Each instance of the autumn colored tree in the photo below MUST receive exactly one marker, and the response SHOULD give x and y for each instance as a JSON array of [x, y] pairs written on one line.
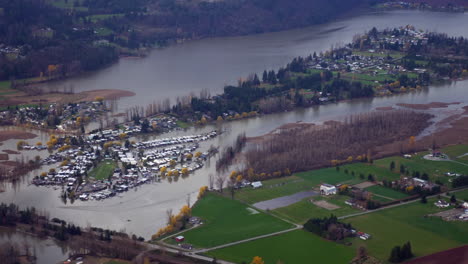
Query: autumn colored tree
[[257, 260]]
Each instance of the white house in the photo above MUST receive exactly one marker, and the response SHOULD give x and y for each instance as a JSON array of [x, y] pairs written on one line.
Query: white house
[[257, 184], [327, 189]]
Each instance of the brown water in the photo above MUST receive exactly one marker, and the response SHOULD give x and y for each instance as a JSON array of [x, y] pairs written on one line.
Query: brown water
[[47, 251], [210, 63]]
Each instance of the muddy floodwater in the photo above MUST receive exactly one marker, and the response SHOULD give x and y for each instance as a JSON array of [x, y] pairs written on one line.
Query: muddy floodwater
[[211, 63]]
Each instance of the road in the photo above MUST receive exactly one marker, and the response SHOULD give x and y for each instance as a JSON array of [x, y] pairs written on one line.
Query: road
[[195, 253]]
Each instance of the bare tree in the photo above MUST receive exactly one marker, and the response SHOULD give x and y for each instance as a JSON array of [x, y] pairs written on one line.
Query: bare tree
[[169, 215], [220, 179], [211, 181]]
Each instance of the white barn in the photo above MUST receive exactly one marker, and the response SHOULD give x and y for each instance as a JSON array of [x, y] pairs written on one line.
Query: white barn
[[327, 189]]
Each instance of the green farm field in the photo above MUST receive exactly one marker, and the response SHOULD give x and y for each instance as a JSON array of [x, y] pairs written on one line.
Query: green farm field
[[290, 248], [386, 192], [398, 225], [435, 169], [227, 221], [302, 211]]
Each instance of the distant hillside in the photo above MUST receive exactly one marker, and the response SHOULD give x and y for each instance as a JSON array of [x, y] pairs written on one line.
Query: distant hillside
[[436, 3], [237, 17], [59, 38]]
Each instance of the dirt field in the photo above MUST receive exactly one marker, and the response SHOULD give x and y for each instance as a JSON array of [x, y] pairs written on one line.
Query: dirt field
[[22, 98], [384, 108], [326, 205], [363, 185], [15, 134], [8, 151], [427, 106], [452, 256], [3, 156]]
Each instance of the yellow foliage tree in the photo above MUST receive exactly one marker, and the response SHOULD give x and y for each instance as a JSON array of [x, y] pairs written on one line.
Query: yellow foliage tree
[[189, 156], [202, 191], [203, 120], [39, 144], [239, 178], [122, 136], [163, 170], [233, 175], [220, 119], [185, 211], [172, 163], [198, 154], [43, 174], [257, 260], [99, 99], [409, 189]]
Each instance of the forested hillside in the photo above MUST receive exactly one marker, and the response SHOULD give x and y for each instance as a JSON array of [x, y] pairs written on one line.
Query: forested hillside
[[59, 38]]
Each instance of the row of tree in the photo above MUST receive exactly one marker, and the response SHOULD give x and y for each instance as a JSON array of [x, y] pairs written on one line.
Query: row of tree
[[315, 146]]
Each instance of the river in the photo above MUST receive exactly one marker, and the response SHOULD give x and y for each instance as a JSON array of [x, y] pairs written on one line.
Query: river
[[47, 251], [211, 63]]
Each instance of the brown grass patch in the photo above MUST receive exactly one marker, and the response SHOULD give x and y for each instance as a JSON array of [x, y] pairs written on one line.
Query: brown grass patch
[[15, 134]]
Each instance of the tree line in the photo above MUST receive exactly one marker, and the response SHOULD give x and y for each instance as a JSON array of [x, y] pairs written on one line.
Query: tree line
[[317, 146]]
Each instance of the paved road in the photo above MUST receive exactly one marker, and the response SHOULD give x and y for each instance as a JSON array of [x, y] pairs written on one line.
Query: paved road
[[284, 201], [194, 253]]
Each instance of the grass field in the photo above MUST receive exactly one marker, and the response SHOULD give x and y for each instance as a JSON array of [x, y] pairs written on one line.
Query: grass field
[[328, 175], [456, 151], [302, 211], [462, 195], [290, 248], [386, 192], [435, 169], [103, 170], [273, 189], [227, 220], [398, 225], [379, 173]]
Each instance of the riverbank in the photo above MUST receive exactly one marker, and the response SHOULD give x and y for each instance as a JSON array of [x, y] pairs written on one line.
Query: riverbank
[[21, 98]]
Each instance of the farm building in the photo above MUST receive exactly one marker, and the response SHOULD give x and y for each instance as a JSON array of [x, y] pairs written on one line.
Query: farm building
[[327, 189], [179, 238]]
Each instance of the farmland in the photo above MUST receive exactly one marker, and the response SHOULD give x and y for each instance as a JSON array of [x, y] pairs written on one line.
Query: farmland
[[222, 215], [273, 189], [408, 223], [435, 169], [386, 192], [304, 210], [290, 248]]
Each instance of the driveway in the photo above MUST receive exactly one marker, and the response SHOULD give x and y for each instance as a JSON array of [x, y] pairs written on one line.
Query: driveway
[[284, 201]]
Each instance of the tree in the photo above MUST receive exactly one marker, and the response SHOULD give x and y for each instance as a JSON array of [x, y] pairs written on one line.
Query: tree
[[395, 255], [257, 260], [412, 143], [406, 252], [392, 165], [453, 199], [423, 199], [145, 126]]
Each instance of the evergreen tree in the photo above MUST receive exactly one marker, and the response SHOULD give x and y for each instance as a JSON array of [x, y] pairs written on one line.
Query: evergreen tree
[[453, 199], [423, 199], [395, 255], [265, 76]]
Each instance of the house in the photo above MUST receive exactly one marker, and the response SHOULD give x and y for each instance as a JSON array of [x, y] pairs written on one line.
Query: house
[[256, 185], [327, 189], [179, 238]]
